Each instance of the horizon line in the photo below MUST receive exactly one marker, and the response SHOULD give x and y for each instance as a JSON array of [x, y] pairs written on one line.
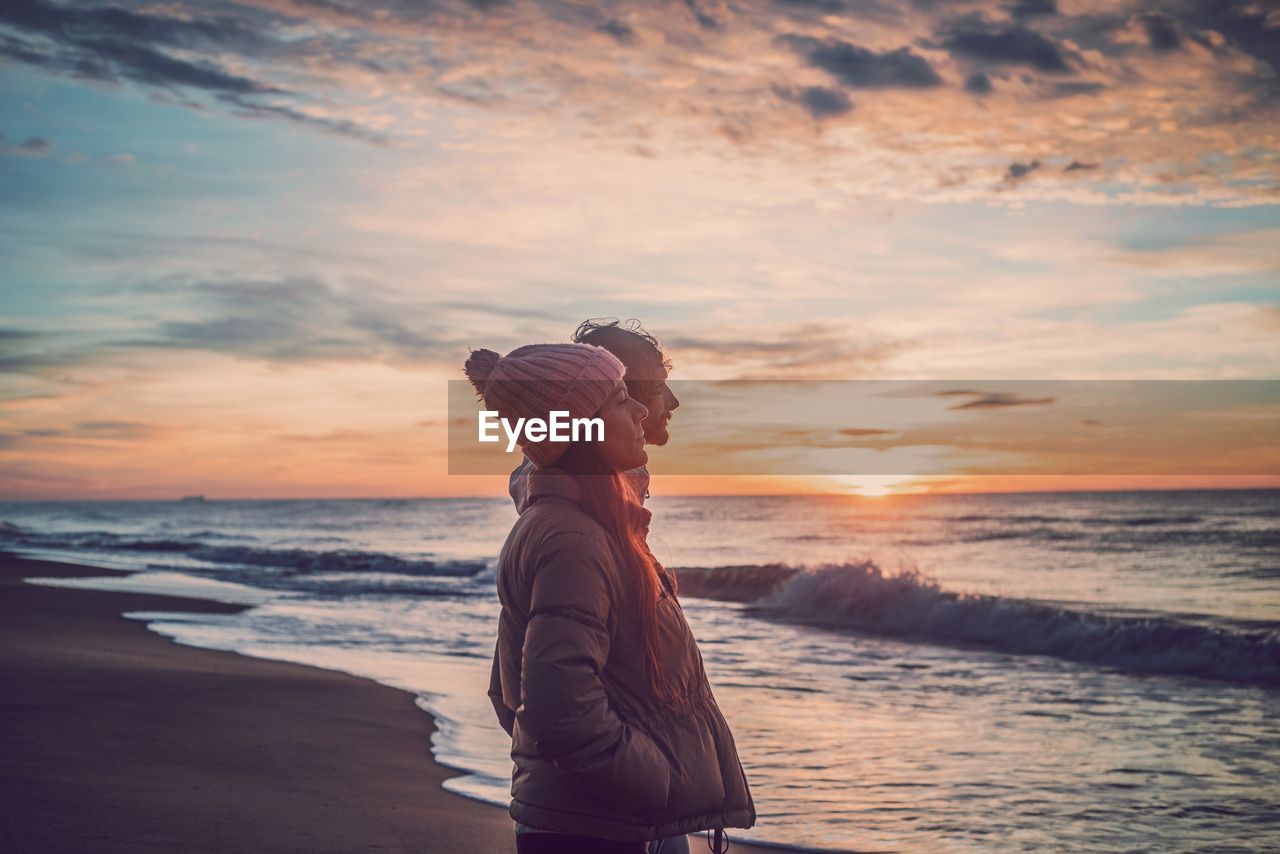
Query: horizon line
[[206, 499]]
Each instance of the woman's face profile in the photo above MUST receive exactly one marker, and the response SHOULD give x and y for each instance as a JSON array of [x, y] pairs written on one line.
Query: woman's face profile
[[623, 417]]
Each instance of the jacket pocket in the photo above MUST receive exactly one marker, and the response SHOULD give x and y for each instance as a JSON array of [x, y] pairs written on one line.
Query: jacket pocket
[[697, 784], [642, 774], [634, 776]]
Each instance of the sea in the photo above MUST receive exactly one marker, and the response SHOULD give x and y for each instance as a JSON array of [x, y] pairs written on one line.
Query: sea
[[1013, 672]]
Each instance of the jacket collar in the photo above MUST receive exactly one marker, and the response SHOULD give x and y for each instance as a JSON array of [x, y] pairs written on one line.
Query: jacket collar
[[518, 484], [555, 483], [558, 484]]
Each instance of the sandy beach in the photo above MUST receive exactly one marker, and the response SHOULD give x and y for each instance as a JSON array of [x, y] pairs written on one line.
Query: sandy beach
[[116, 739]]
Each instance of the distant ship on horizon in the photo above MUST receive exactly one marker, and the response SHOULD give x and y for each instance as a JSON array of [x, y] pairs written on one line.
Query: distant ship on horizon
[[191, 499]]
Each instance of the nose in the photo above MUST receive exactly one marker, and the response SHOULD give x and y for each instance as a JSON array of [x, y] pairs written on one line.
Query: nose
[[673, 402], [642, 409]]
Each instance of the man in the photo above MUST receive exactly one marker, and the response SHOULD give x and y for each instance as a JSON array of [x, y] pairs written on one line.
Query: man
[[647, 369], [646, 379]]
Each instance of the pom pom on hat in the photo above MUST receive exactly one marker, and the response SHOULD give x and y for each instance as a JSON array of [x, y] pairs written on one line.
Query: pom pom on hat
[[478, 368]]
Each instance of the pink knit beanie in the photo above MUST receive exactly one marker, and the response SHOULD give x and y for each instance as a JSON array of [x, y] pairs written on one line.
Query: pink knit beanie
[[531, 381]]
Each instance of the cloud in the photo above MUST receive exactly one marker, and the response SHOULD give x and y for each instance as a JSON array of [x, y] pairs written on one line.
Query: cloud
[[109, 43], [1269, 316], [1018, 171], [303, 319], [769, 437], [975, 38], [34, 146], [618, 31], [36, 353], [978, 83], [294, 320], [1246, 24], [1071, 88], [170, 48], [486, 311], [11, 335], [705, 19], [993, 400], [39, 363], [860, 68], [344, 127], [1024, 9], [823, 6], [401, 72], [109, 24], [288, 320], [822, 102], [1161, 30], [1245, 253], [111, 431], [811, 351], [335, 436]]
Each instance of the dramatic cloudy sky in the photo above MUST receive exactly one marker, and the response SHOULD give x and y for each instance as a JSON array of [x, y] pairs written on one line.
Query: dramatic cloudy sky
[[246, 243]]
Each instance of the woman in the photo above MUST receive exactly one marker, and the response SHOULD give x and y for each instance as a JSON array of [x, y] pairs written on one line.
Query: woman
[[616, 738]]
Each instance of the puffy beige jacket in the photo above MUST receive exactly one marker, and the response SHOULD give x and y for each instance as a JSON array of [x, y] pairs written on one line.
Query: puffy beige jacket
[[594, 752]]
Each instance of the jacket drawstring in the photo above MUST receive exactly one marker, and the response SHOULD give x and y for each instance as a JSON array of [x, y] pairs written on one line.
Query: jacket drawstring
[[716, 839]]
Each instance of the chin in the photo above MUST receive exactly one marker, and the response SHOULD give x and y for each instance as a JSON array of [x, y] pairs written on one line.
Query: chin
[[658, 437]]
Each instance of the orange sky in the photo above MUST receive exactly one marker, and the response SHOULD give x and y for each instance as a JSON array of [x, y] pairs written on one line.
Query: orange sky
[[245, 256]]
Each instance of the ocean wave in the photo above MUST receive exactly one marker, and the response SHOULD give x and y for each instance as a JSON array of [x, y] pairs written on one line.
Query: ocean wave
[[1264, 572], [338, 585], [347, 585], [293, 561], [1143, 521], [859, 596], [1137, 537], [748, 583], [1135, 521], [1008, 518], [1040, 533], [303, 561]]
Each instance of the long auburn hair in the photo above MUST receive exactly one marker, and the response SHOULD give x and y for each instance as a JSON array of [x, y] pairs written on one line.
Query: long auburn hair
[[608, 499]]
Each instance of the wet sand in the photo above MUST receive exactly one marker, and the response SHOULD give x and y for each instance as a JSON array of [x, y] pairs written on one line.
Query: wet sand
[[113, 738]]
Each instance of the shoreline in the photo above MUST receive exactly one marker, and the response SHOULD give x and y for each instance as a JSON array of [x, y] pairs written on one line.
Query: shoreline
[[116, 738]]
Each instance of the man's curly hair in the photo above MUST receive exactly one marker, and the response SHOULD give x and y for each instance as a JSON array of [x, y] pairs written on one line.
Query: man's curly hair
[[625, 339], [608, 332]]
